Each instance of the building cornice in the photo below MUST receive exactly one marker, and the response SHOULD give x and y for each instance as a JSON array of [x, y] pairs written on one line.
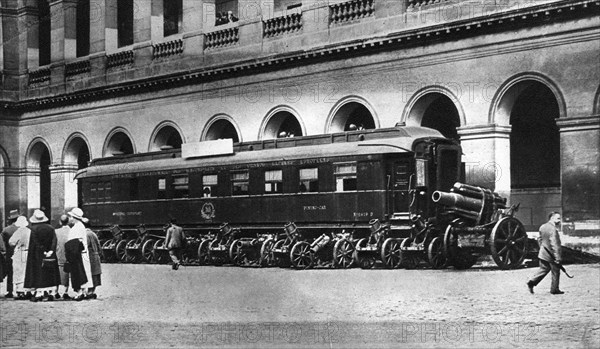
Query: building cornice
[[500, 22], [579, 124]]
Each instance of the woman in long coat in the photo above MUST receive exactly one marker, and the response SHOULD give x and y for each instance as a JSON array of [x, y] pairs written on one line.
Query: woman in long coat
[[39, 274], [94, 250], [20, 241]]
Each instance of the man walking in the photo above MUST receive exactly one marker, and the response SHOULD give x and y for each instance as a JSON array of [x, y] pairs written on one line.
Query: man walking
[[6, 235], [549, 255], [175, 241]]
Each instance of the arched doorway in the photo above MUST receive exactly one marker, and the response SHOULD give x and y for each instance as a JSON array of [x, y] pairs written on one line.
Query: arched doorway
[[534, 138], [77, 157], [352, 116], [221, 127], [531, 105], [437, 111], [118, 143], [38, 182], [281, 123], [166, 136]]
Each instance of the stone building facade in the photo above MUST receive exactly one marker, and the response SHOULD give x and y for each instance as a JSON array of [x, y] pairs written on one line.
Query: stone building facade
[[517, 82]]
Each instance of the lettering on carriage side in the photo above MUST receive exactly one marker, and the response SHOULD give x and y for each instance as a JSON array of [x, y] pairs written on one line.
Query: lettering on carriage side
[[363, 214], [313, 161], [315, 208], [207, 211], [121, 214]]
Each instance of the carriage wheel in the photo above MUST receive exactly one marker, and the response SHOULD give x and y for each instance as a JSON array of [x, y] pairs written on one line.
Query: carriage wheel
[[364, 260], [108, 251], [236, 255], [159, 254], [203, 256], [148, 251], [435, 254], [131, 252], [390, 253], [266, 253], [508, 243], [214, 259], [455, 255], [120, 251], [301, 256], [343, 251], [408, 259], [281, 259]]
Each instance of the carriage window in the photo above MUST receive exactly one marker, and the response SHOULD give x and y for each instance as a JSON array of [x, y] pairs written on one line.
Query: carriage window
[[239, 182], [133, 188], [181, 186], [345, 177], [309, 180], [162, 188], [107, 193], [273, 181], [93, 192], [209, 186]]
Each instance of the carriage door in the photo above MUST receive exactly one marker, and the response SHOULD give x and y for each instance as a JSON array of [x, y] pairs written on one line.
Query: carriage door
[[400, 182]]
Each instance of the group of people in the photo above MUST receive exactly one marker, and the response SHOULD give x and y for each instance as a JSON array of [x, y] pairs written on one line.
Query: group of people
[[38, 260], [225, 17]]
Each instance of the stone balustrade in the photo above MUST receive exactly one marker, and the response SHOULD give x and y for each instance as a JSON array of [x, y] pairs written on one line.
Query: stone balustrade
[[76, 68], [119, 59], [282, 25], [166, 49], [39, 76], [420, 3], [351, 10], [221, 38]]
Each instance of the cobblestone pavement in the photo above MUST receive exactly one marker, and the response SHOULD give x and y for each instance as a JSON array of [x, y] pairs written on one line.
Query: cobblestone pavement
[[153, 306]]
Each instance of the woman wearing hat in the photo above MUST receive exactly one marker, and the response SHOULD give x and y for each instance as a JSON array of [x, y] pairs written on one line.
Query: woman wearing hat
[[78, 231], [20, 242], [41, 272]]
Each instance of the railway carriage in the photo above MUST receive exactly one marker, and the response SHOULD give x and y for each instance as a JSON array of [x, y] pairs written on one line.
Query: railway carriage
[[332, 184]]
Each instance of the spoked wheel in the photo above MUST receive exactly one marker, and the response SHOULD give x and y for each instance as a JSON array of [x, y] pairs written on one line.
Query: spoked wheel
[[266, 253], [508, 243], [390, 253], [301, 256], [120, 251], [131, 252], [214, 253], [408, 259], [159, 254], [108, 254], [281, 258], [365, 260], [455, 255], [343, 254], [435, 254], [203, 256], [236, 254], [148, 250]]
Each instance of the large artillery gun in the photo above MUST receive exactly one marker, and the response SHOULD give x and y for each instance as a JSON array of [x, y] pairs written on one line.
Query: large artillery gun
[[480, 224]]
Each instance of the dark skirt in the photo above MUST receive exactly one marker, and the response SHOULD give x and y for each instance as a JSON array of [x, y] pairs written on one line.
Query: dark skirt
[[97, 280]]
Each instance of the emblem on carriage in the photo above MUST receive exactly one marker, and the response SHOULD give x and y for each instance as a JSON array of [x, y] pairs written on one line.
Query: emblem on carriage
[[207, 211]]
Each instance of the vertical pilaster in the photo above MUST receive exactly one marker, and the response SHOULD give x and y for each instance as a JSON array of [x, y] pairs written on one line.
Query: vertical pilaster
[[192, 15], [111, 31], [64, 188], [14, 39], [14, 193], [33, 38], [63, 14], [142, 13], [157, 21]]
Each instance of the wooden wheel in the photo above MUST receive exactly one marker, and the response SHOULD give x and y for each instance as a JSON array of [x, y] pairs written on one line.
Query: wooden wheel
[[390, 253], [159, 254], [301, 256], [343, 254], [365, 260], [266, 253], [508, 243], [132, 252], [148, 250], [203, 256], [435, 253], [408, 259], [213, 253], [455, 255], [120, 251], [108, 251], [279, 254], [236, 254]]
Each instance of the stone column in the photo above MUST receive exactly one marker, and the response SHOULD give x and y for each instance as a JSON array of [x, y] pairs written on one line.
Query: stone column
[[63, 188], [142, 46], [33, 38], [486, 150], [157, 21], [31, 177], [193, 23], [63, 30], [14, 193], [580, 172], [111, 31], [14, 39]]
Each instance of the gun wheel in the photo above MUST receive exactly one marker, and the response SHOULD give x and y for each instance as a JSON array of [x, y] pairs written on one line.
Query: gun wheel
[[508, 243]]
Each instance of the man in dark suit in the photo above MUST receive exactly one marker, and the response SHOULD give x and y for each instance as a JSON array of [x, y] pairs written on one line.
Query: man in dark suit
[[549, 255], [6, 235], [175, 242]]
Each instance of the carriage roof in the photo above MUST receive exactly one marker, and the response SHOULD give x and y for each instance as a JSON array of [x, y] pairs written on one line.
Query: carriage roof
[[371, 142]]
